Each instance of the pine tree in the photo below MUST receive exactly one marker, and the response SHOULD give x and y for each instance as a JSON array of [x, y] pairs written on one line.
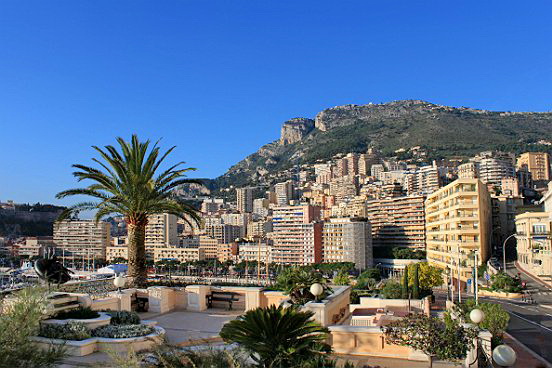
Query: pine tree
[[416, 285], [404, 291]]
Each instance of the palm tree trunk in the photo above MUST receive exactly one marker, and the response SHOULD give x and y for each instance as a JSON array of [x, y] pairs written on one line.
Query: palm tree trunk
[[137, 271]]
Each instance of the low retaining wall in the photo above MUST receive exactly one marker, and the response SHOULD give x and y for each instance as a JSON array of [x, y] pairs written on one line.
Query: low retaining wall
[[499, 294], [332, 310], [102, 344]]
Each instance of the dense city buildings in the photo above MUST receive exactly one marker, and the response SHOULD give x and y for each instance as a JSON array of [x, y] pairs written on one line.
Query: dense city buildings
[[283, 192], [458, 222], [297, 234], [347, 240], [82, 239]]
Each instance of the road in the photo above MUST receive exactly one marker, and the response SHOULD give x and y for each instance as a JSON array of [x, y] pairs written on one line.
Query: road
[[531, 324]]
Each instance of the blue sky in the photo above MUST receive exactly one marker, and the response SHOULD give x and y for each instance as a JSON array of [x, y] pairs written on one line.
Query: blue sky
[[217, 78]]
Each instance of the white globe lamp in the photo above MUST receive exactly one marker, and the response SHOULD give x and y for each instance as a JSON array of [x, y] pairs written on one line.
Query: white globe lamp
[[504, 356], [119, 282], [316, 289], [477, 316]]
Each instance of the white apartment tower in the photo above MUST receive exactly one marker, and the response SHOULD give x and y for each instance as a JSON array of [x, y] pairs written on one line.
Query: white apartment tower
[[244, 197]]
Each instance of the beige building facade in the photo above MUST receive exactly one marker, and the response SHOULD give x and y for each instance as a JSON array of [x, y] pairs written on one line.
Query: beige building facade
[[534, 244], [82, 238], [458, 222], [347, 240], [537, 163]]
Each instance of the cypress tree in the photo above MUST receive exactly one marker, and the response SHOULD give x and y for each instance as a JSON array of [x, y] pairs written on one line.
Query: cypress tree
[[416, 285], [404, 291]]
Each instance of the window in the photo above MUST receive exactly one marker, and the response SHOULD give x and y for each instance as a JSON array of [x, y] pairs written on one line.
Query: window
[[539, 229]]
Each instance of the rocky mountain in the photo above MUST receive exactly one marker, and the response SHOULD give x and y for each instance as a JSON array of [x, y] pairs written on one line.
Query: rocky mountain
[[442, 131]]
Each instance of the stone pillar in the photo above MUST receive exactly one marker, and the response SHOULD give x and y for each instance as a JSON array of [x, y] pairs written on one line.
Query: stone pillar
[[125, 300], [160, 299], [252, 298], [180, 298], [197, 297]]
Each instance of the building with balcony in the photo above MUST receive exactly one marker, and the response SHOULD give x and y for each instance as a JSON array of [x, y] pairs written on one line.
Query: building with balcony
[[161, 232], [82, 239], [534, 244], [347, 240], [397, 221], [297, 234], [458, 222], [537, 163]]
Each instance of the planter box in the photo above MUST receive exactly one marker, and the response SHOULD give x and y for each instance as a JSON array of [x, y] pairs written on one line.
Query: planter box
[[102, 344], [103, 320]]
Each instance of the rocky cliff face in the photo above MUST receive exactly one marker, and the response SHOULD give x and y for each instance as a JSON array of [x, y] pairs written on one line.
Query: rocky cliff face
[[443, 131], [295, 130]]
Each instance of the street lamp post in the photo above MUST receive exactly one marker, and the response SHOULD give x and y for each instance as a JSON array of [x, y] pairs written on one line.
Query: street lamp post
[[504, 251]]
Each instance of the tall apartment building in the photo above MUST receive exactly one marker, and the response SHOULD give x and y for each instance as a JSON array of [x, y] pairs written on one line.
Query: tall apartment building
[[537, 163], [261, 207], [253, 252], [259, 228], [244, 197], [284, 192], [504, 211], [458, 222], [425, 180], [347, 240], [366, 160], [82, 238], [377, 171], [344, 187], [297, 234], [494, 166], [161, 231], [397, 221], [352, 163], [34, 246], [534, 244], [323, 173]]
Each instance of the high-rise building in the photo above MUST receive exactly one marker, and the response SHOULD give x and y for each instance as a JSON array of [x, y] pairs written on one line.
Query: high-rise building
[[425, 180], [347, 240], [284, 192], [297, 234], [225, 233], [82, 238], [261, 207], [494, 166], [397, 221], [537, 163], [161, 231], [244, 197], [458, 222]]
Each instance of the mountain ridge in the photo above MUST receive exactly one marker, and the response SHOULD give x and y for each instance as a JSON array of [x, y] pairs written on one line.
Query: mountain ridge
[[444, 131]]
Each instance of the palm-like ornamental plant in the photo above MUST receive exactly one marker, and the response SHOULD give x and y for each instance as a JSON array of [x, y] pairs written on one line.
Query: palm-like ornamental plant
[[277, 336], [130, 185]]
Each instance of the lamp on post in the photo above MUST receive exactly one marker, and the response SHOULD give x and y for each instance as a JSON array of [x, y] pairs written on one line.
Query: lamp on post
[[316, 289], [504, 251], [504, 356], [119, 282]]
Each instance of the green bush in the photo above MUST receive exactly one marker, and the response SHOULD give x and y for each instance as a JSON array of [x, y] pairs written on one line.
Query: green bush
[[69, 331], [342, 278], [296, 282], [496, 318], [371, 273], [78, 313], [124, 318], [392, 290], [122, 331], [505, 283]]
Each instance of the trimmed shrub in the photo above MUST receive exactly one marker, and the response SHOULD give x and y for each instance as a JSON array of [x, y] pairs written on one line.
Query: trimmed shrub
[[392, 290], [69, 331], [78, 313], [124, 318], [122, 331]]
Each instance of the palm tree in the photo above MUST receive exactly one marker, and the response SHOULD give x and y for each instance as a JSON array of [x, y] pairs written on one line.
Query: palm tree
[[130, 184], [277, 336]]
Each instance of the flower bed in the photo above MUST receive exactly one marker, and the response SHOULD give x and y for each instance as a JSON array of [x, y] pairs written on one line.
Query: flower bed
[[112, 338], [103, 319], [77, 313]]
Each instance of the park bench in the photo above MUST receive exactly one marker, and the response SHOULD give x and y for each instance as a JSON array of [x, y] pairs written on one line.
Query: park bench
[[221, 296], [139, 302]]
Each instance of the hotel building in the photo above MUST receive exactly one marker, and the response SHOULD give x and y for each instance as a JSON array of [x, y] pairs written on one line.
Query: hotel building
[[537, 163]]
